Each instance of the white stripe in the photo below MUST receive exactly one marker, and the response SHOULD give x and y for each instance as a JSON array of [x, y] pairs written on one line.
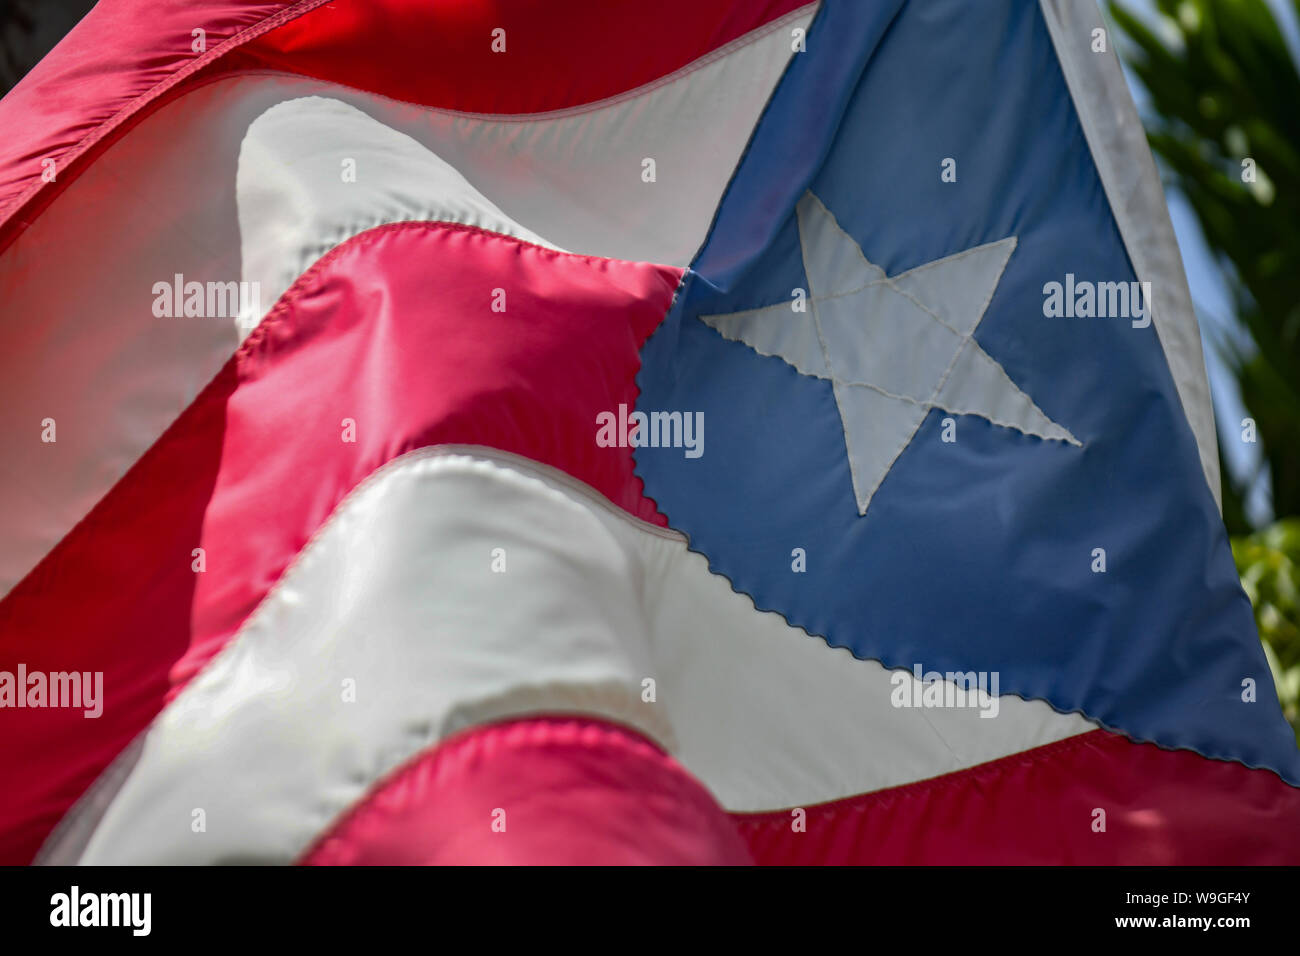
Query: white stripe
[[314, 172], [398, 593], [1128, 174], [83, 347], [396, 599], [572, 176]]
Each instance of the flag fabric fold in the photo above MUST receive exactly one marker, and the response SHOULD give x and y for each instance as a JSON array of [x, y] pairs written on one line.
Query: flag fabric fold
[[487, 433]]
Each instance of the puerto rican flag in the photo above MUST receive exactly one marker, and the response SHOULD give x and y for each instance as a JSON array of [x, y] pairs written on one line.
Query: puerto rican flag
[[449, 432]]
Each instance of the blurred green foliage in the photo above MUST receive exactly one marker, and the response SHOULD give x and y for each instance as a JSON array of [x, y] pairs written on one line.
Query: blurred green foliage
[[1225, 121], [1226, 92], [1269, 565]]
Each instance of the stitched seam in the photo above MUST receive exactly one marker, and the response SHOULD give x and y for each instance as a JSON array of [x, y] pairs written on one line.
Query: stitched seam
[[253, 31], [507, 461], [887, 280], [920, 305], [861, 803], [430, 761], [890, 282], [275, 317], [308, 552], [748, 39], [740, 43], [876, 388], [954, 257], [956, 760], [862, 506], [730, 338], [966, 339], [774, 308], [955, 410], [830, 371], [343, 508]]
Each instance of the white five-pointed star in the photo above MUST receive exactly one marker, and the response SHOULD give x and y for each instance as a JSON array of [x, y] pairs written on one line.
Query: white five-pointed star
[[892, 347]]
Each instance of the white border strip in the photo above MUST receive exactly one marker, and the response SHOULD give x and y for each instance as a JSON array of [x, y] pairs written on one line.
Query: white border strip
[[1128, 174]]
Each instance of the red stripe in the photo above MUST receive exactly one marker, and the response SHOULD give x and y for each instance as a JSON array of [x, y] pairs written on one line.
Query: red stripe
[[441, 53], [1161, 807], [128, 56], [582, 791], [567, 791], [393, 329], [123, 57]]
